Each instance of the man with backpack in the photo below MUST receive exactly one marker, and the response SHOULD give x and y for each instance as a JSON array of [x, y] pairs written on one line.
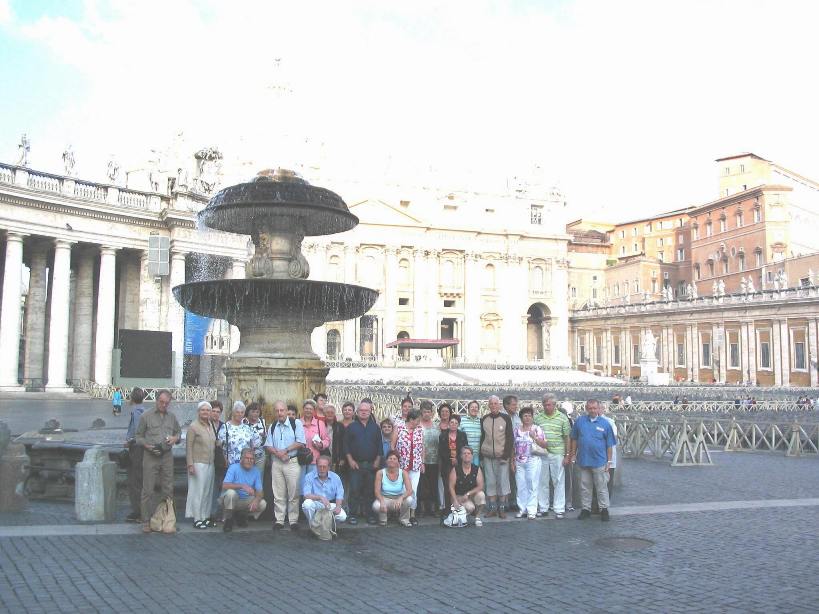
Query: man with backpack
[[284, 438]]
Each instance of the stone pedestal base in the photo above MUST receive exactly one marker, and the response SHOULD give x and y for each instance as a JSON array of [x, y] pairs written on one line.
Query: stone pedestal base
[[12, 473], [95, 497], [265, 380], [648, 369]]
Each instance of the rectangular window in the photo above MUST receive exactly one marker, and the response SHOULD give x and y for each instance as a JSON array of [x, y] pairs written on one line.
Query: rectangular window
[[739, 220], [622, 250], [722, 225], [799, 356], [706, 354], [727, 170], [680, 354], [696, 232], [634, 231], [598, 353], [574, 292], [733, 356], [764, 355], [536, 214], [622, 234], [741, 168], [582, 354], [758, 259], [449, 303], [635, 354], [757, 216], [709, 229], [659, 241], [661, 256], [616, 358], [635, 248], [403, 301], [648, 227], [680, 255], [680, 240]]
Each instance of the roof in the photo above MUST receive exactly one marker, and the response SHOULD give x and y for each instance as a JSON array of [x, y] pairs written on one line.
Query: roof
[[741, 155], [423, 344]]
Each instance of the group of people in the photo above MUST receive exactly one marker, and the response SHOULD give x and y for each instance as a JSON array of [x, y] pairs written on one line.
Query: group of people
[[408, 465]]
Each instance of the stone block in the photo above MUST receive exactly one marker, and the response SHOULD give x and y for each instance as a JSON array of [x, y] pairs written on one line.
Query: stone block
[[96, 486], [13, 464]]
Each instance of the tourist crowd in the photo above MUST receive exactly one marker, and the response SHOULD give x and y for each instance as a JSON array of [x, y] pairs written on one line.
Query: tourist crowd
[[424, 460]]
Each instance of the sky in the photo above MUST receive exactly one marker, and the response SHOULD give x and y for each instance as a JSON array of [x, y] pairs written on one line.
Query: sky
[[623, 105]]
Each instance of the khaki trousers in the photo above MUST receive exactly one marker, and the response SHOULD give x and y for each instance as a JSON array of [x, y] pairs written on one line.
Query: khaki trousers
[[232, 502], [403, 513], [284, 480], [474, 502], [155, 470], [594, 478]]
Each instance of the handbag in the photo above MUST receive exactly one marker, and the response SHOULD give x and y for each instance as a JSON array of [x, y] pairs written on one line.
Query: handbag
[[219, 461], [164, 518], [537, 450], [303, 454], [456, 518]]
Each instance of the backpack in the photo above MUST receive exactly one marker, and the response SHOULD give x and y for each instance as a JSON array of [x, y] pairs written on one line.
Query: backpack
[[323, 524], [456, 518]]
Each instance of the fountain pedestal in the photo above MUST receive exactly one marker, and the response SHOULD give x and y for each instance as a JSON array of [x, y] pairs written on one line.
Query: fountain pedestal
[[265, 380]]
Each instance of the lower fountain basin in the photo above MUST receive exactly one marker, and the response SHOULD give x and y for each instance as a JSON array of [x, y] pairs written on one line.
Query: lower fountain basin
[[259, 300]]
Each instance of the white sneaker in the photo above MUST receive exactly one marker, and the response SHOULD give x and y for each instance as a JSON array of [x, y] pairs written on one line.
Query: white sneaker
[[478, 521]]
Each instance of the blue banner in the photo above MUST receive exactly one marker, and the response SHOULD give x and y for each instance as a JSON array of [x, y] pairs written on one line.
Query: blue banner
[[196, 328]]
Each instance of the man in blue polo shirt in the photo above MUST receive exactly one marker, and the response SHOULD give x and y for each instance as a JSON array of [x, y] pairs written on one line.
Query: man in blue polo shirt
[[323, 489], [592, 440], [242, 491]]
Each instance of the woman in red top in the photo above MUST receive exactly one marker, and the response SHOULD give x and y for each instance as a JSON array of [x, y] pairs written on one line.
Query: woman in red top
[[408, 441], [449, 451]]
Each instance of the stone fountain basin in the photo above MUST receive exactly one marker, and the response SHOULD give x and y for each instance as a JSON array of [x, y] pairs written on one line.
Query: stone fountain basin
[[261, 300], [285, 206]]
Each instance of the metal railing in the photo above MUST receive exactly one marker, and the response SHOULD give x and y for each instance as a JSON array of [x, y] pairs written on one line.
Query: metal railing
[[183, 393]]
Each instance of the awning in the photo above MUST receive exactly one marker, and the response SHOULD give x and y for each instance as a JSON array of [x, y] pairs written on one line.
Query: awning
[[423, 344]]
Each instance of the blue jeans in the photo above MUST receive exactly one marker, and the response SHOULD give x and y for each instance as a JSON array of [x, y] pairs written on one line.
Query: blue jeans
[[362, 481]]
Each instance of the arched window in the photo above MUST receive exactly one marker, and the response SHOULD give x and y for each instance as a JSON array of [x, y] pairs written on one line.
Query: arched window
[[741, 261], [489, 277], [696, 271], [537, 279], [333, 343], [490, 338], [448, 273]]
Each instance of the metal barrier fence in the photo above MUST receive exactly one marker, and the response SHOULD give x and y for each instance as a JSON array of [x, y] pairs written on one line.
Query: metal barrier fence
[[641, 436], [183, 394], [388, 403]]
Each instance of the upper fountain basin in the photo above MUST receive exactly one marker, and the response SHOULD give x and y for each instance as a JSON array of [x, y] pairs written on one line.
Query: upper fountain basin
[[256, 301], [277, 200]]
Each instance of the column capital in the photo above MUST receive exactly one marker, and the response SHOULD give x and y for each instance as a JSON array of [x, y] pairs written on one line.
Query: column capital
[[60, 243], [14, 236], [107, 250], [179, 254]]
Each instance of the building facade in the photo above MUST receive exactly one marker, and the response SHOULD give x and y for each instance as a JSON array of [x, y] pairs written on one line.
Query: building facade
[[82, 261]]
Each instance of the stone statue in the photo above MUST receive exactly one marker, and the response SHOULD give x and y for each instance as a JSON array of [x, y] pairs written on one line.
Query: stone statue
[[207, 169], [743, 285], [811, 279], [721, 288], [182, 180], [113, 170], [783, 280], [689, 291], [627, 299], [750, 287], [649, 346], [24, 148], [547, 339], [694, 293], [714, 289], [68, 161]]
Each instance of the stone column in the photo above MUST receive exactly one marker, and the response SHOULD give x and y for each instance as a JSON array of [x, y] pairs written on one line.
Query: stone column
[[514, 324], [83, 317], [559, 306], [813, 354], [58, 333], [11, 313], [695, 353], [176, 316], [471, 340], [776, 362], [785, 352], [104, 340], [419, 282], [150, 302], [434, 295], [752, 351], [390, 300], [743, 350], [36, 313], [607, 351]]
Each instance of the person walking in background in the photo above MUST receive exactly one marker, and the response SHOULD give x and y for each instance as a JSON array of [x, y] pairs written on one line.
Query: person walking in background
[[554, 458], [199, 453], [116, 401], [592, 441], [135, 452]]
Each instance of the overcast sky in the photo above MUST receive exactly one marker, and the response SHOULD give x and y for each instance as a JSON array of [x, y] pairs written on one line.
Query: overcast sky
[[624, 105]]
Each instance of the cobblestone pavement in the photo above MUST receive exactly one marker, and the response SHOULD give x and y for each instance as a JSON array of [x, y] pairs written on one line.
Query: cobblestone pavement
[[751, 558]]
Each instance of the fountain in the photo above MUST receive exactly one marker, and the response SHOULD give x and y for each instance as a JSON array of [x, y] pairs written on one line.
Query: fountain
[[276, 307]]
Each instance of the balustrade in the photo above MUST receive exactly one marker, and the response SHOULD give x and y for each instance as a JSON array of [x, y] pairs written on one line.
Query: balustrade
[[90, 191]]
